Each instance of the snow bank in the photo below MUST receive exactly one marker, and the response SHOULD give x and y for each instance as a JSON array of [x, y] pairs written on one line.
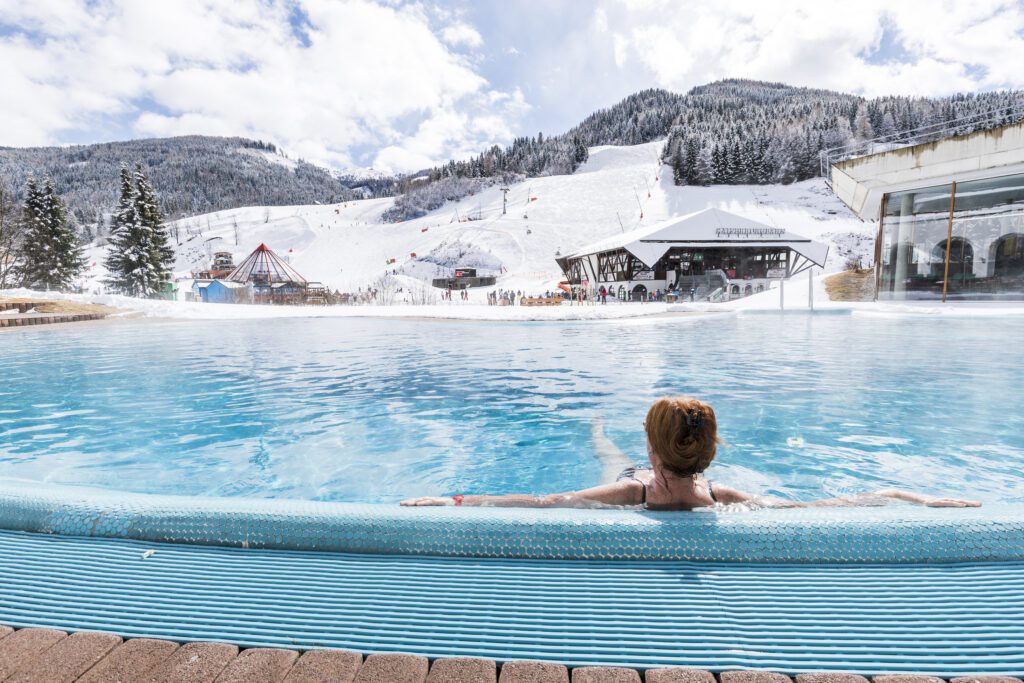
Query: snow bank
[[452, 311], [766, 302]]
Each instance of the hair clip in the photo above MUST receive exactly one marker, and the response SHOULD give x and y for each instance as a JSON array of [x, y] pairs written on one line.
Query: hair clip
[[694, 419]]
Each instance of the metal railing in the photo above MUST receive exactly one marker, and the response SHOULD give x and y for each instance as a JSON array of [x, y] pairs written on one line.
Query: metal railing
[[915, 136]]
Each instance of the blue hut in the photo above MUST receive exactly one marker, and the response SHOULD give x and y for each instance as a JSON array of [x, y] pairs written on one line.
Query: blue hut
[[226, 292]]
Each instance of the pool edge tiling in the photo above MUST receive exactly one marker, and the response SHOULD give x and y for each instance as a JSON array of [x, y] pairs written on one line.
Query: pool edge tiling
[[891, 534]]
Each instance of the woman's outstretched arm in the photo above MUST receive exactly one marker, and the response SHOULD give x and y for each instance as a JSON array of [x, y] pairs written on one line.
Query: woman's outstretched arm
[[620, 493], [861, 499]]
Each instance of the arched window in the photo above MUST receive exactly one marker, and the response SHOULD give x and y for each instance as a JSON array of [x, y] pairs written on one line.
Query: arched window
[[1008, 256], [961, 260]]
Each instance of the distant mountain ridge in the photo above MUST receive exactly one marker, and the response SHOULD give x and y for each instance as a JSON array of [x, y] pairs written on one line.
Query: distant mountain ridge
[[733, 131], [192, 174], [728, 132]]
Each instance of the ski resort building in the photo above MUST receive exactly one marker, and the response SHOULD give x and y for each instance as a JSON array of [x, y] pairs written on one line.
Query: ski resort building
[[272, 279], [712, 254], [950, 214], [222, 265]]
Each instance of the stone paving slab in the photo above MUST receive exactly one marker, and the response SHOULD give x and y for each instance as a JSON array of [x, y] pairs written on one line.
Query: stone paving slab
[[42, 655], [264, 664], [829, 677], [753, 677], [604, 674], [68, 659], [130, 661], [463, 670], [326, 666], [26, 319], [393, 668], [195, 663], [677, 675], [21, 649], [533, 672]]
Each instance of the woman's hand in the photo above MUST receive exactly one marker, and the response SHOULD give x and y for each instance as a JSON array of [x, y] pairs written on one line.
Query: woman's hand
[[429, 500]]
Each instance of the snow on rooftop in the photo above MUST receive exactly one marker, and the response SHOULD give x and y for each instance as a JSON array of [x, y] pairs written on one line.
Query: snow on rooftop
[[709, 227]]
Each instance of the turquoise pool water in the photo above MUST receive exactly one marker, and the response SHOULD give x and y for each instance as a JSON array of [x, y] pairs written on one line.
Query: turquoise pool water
[[367, 410]]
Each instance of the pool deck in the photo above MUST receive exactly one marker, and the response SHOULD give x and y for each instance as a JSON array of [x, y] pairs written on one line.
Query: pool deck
[[950, 620], [39, 655]]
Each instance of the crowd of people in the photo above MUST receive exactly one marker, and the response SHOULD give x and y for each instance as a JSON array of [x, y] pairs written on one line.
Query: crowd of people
[[508, 297]]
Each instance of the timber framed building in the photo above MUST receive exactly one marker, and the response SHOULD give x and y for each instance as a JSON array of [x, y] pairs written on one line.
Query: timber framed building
[[712, 254]]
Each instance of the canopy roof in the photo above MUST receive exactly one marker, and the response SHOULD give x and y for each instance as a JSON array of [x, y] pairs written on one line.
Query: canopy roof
[[704, 229], [264, 267]]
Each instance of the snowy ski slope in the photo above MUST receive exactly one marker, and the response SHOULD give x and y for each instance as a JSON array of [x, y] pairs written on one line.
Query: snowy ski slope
[[346, 246]]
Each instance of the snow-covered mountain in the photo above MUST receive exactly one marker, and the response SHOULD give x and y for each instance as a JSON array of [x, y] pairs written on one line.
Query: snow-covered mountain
[[193, 174], [346, 245]]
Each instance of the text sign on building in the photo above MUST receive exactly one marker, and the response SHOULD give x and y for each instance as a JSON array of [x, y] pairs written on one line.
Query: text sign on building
[[643, 275], [749, 232], [776, 272]]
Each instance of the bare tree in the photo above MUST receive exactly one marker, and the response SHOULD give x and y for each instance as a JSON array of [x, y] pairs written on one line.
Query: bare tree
[[384, 289], [422, 294], [11, 232]]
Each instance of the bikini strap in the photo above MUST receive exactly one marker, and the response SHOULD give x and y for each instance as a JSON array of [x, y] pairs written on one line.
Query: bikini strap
[[711, 490]]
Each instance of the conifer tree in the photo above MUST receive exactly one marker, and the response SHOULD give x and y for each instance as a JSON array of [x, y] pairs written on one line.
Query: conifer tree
[[51, 256], [161, 254], [140, 256], [11, 233]]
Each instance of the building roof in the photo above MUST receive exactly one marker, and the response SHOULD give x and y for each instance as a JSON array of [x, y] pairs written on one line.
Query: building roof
[[263, 264], [861, 182], [228, 283], [704, 229]]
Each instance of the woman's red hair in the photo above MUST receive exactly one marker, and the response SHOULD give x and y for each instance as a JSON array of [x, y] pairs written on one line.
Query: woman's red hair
[[683, 433]]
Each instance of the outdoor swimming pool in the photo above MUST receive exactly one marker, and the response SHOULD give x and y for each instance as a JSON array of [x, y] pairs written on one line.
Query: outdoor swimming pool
[[266, 442], [364, 410]]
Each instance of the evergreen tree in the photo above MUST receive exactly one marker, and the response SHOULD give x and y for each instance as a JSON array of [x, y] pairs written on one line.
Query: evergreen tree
[[126, 213], [161, 256], [11, 233], [122, 257], [50, 254], [140, 255]]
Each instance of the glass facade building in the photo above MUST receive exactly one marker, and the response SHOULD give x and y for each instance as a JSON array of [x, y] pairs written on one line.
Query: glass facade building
[[961, 240]]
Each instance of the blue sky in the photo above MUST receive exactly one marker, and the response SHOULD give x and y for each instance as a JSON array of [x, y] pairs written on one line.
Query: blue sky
[[400, 85]]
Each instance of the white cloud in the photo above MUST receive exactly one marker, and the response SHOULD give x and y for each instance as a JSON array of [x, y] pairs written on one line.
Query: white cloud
[[941, 47], [412, 83], [370, 74], [462, 34]]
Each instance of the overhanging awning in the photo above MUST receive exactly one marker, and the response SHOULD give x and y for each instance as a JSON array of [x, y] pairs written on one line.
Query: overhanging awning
[[709, 228]]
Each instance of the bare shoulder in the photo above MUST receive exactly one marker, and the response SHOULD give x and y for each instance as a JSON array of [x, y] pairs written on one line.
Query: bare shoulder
[[625, 492], [727, 494]]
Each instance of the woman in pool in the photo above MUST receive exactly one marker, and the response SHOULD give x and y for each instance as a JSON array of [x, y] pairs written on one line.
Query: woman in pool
[[682, 439]]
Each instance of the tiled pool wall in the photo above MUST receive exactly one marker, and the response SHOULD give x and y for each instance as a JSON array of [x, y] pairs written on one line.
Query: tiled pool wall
[[891, 534]]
